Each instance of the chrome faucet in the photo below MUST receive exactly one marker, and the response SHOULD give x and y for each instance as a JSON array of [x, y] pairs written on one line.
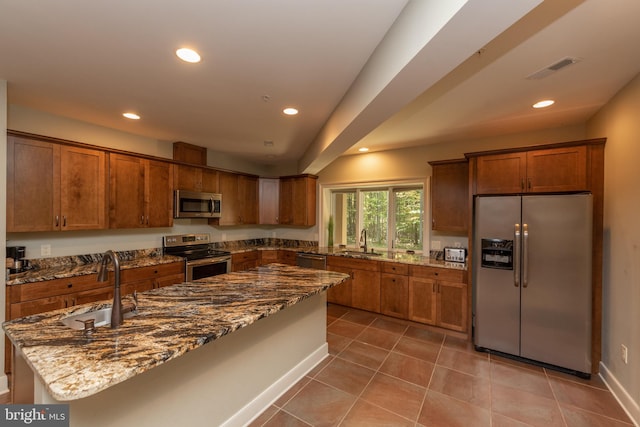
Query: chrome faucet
[[363, 238], [116, 308]]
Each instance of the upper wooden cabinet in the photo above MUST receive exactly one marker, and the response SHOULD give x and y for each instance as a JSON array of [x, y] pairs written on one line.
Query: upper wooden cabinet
[[298, 200], [548, 170], [269, 196], [53, 186], [239, 199], [450, 195], [195, 178], [141, 192]]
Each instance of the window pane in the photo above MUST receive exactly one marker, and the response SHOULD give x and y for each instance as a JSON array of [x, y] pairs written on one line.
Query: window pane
[[409, 214], [345, 213], [375, 214]]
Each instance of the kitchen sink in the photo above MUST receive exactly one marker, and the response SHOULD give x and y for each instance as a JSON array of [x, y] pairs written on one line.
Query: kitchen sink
[[360, 253], [100, 317]]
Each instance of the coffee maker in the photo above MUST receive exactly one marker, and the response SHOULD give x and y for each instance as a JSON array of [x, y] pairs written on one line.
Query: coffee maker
[[15, 259]]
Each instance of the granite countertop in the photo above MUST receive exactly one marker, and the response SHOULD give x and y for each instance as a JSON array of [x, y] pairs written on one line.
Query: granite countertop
[[170, 321]]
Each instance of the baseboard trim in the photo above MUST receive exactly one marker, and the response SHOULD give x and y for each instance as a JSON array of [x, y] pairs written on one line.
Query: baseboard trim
[[4, 384], [631, 407], [254, 408]]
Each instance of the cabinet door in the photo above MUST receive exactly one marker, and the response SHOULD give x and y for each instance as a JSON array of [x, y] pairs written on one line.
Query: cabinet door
[[158, 194], [285, 205], [501, 173], [33, 185], [287, 257], [126, 191], [452, 305], [557, 169], [188, 178], [174, 279], [248, 196], [93, 295], [210, 181], [228, 183], [82, 188], [268, 257], [450, 196], [394, 295], [365, 292], [269, 200], [36, 306], [341, 294], [422, 300], [139, 286]]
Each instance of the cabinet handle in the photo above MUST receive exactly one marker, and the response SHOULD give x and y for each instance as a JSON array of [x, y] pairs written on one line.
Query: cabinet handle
[[433, 288], [73, 301], [57, 221], [529, 183], [66, 304], [141, 219], [147, 220], [64, 220], [522, 183]]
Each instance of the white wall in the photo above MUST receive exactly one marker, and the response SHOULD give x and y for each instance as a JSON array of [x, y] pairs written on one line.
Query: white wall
[[618, 121]]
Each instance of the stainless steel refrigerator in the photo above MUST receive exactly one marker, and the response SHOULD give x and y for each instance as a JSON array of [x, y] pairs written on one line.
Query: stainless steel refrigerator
[[532, 278]]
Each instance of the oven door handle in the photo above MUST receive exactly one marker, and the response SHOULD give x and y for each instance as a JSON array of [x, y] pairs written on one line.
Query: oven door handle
[[206, 261]]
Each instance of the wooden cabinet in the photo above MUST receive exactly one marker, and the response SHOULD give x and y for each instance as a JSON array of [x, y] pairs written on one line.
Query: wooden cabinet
[[394, 289], [152, 277], [450, 195], [269, 196], [239, 199], [245, 260], [54, 187], [194, 178], [438, 296], [140, 192], [287, 257], [268, 256], [548, 170], [298, 200], [364, 283]]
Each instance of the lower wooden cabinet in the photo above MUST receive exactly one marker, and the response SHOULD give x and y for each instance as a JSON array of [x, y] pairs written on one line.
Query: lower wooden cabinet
[[152, 277], [438, 296], [394, 290], [245, 260], [287, 257], [364, 283]]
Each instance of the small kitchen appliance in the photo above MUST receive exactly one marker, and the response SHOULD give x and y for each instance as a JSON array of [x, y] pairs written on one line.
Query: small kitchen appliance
[[15, 259], [201, 259], [455, 255]]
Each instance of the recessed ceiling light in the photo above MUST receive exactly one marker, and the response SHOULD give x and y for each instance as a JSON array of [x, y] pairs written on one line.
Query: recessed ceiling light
[[543, 104], [363, 149], [132, 116], [188, 55], [290, 111]]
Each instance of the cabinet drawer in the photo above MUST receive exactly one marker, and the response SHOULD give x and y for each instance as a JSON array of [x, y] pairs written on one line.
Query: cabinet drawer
[[269, 256], [287, 257], [51, 288], [151, 272], [394, 268], [353, 263], [244, 256], [437, 273]]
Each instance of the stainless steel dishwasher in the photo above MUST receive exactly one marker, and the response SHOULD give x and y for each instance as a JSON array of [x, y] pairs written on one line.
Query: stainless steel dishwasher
[[316, 261]]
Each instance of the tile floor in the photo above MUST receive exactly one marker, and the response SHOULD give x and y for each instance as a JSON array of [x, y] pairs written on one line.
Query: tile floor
[[385, 372]]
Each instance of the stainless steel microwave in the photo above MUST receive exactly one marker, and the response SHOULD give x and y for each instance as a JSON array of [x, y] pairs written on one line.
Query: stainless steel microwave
[[196, 204]]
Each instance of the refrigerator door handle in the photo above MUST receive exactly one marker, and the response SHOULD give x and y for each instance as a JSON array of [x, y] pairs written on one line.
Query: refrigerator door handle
[[525, 255], [516, 257]]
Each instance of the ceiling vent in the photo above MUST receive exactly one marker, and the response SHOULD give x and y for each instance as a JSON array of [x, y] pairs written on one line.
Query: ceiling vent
[[550, 69]]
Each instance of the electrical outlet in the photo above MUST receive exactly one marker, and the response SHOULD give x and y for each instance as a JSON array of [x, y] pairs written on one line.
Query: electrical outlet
[[624, 353], [45, 250]]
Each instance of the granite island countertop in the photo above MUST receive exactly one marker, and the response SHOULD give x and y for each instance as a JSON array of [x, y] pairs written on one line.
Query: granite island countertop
[[170, 322]]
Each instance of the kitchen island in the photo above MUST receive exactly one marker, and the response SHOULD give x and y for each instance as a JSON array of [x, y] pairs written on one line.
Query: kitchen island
[[264, 329]]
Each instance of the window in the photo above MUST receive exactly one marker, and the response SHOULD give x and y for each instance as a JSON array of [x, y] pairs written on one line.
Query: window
[[391, 216]]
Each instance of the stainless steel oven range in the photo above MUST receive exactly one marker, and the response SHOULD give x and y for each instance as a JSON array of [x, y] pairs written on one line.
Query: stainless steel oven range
[[201, 259]]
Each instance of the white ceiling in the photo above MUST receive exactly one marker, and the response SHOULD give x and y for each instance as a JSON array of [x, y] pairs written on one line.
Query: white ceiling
[[361, 72]]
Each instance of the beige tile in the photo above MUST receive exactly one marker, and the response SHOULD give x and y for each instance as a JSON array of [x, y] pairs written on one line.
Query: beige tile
[[464, 362], [498, 420], [346, 376], [419, 349], [345, 329], [408, 368], [395, 395], [440, 410], [525, 407], [589, 398], [283, 419], [394, 326], [364, 414], [521, 378], [575, 417], [364, 354], [465, 387], [379, 338], [319, 404], [424, 335]]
